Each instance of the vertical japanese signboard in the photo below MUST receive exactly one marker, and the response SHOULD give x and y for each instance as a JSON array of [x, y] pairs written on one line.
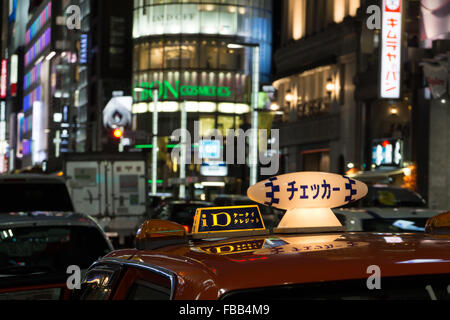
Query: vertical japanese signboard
[[14, 74], [391, 49], [3, 141]]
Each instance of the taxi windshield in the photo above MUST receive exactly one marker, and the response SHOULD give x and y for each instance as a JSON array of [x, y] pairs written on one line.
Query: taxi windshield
[[429, 287], [30, 250]]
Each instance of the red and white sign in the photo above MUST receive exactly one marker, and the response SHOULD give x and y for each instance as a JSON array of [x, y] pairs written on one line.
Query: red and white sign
[[3, 79], [391, 49], [436, 75], [13, 74]]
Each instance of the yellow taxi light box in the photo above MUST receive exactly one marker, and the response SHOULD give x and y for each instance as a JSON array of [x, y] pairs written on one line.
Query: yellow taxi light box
[[227, 219]]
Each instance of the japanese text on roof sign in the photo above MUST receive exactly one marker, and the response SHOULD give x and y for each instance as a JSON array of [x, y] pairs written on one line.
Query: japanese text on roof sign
[[299, 190]]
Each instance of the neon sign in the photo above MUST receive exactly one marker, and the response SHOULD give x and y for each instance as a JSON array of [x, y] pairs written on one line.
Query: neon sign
[[388, 152], [391, 49], [3, 81], [176, 91]]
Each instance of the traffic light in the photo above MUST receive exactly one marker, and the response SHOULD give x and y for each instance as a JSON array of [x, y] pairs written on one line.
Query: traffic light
[[118, 133]]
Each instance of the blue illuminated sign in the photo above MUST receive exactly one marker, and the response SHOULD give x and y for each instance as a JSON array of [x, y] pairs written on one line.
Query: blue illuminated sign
[[83, 48], [209, 149]]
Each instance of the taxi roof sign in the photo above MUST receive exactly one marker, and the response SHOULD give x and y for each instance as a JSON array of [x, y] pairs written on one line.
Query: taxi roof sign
[[439, 224], [153, 234], [308, 198], [223, 221]]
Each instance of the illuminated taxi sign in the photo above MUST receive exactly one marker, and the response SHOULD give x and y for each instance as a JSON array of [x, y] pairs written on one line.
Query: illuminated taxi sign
[[308, 197], [234, 247], [227, 219], [153, 234]]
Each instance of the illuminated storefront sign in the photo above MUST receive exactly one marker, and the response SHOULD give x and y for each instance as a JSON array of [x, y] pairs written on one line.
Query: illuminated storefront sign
[[38, 149], [39, 23], [38, 47], [12, 10], [214, 169], [83, 48], [3, 80], [209, 149], [192, 106], [388, 152], [189, 18], [176, 91], [3, 141], [391, 49], [14, 74]]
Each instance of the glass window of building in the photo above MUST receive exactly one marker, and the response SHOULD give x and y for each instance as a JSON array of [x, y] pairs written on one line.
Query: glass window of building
[[144, 53], [207, 125]]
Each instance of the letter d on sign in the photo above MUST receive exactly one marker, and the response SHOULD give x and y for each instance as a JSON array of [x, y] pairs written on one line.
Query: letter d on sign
[[74, 280], [374, 281], [215, 222]]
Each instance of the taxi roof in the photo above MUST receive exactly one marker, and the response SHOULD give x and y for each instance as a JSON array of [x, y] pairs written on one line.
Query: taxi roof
[[209, 268]]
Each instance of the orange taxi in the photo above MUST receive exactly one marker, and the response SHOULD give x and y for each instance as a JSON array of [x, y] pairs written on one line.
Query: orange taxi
[[230, 255]]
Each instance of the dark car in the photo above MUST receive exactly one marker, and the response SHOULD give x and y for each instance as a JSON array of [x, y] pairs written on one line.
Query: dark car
[[157, 200], [41, 236], [386, 209], [180, 211]]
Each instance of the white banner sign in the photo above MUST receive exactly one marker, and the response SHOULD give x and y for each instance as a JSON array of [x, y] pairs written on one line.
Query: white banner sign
[[391, 49], [435, 18], [437, 78]]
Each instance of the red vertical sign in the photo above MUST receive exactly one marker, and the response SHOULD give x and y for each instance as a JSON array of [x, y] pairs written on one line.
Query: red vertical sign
[[3, 80]]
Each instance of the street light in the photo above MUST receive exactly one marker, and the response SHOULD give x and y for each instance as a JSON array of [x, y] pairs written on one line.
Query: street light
[[155, 141], [155, 136], [289, 96], [330, 87], [255, 91]]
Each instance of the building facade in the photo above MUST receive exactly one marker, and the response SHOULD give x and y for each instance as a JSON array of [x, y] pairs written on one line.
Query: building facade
[[67, 59], [197, 54], [334, 100], [315, 65], [435, 98], [104, 49]]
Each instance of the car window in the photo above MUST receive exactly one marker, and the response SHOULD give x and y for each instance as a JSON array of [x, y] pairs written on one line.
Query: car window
[[49, 249], [394, 225], [25, 197], [222, 202], [148, 291], [184, 210], [184, 213], [97, 285], [428, 287], [386, 197]]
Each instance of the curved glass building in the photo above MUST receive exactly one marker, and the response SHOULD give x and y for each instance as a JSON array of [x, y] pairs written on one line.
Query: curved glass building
[[182, 48]]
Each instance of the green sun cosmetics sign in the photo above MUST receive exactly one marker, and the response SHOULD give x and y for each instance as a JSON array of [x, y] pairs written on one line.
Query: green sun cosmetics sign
[[166, 90]]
